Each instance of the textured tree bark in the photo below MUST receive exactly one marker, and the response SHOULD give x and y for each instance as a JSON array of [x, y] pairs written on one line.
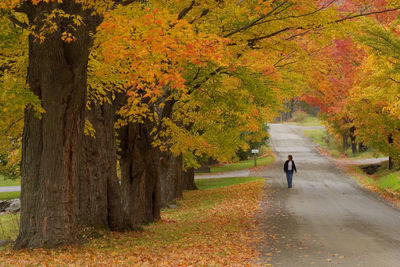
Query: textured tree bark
[[139, 175], [353, 140], [188, 180], [391, 163], [98, 189], [171, 180], [50, 145], [345, 138], [292, 107], [361, 147], [114, 205], [169, 166]]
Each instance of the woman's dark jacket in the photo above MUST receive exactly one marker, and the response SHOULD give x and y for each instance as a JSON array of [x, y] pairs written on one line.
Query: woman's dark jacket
[[285, 167]]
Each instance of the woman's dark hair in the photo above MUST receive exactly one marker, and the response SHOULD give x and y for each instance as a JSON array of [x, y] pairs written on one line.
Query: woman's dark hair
[[290, 157]]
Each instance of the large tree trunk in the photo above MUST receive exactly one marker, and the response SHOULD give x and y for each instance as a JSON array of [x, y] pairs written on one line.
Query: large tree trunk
[[188, 180], [390, 141], [169, 166], [292, 107], [170, 169], [353, 140], [391, 164], [139, 174], [345, 139], [98, 189], [50, 146]]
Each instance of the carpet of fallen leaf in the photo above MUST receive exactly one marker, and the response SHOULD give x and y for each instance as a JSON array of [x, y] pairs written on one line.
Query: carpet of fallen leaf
[[209, 228]]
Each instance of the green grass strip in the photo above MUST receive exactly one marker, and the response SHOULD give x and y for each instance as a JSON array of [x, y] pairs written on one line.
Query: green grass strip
[[207, 184], [244, 164], [8, 182], [9, 195]]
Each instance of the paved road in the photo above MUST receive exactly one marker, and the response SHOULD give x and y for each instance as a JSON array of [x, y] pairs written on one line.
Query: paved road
[[10, 189], [326, 219]]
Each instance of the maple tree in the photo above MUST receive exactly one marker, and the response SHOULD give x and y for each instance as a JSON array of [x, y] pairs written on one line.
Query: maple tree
[[148, 62], [375, 99], [134, 110], [336, 76], [59, 42]]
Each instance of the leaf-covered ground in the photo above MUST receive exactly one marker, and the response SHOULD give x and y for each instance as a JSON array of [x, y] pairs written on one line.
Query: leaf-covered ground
[[210, 228]]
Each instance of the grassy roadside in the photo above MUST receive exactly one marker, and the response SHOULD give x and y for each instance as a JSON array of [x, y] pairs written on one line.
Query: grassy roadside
[[384, 181], [244, 164], [210, 227], [329, 145], [9, 182], [324, 140], [305, 121], [207, 184], [9, 195]]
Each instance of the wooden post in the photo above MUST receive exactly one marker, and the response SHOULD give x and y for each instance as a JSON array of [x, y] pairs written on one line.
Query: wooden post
[[255, 152]]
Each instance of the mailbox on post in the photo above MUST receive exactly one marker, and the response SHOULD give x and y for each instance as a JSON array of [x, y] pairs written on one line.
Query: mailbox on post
[[255, 152]]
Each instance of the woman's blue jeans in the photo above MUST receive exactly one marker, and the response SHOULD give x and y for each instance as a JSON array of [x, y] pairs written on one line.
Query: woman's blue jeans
[[289, 177]]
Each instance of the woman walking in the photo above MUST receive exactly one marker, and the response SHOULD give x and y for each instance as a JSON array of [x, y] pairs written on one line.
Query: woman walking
[[289, 168]]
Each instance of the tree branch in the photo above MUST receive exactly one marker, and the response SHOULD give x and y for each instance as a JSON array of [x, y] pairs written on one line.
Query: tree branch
[[186, 10], [367, 14], [199, 84], [393, 80], [256, 21], [286, 64], [300, 16], [203, 13], [16, 21], [11, 125], [307, 29], [126, 2], [252, 41]]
